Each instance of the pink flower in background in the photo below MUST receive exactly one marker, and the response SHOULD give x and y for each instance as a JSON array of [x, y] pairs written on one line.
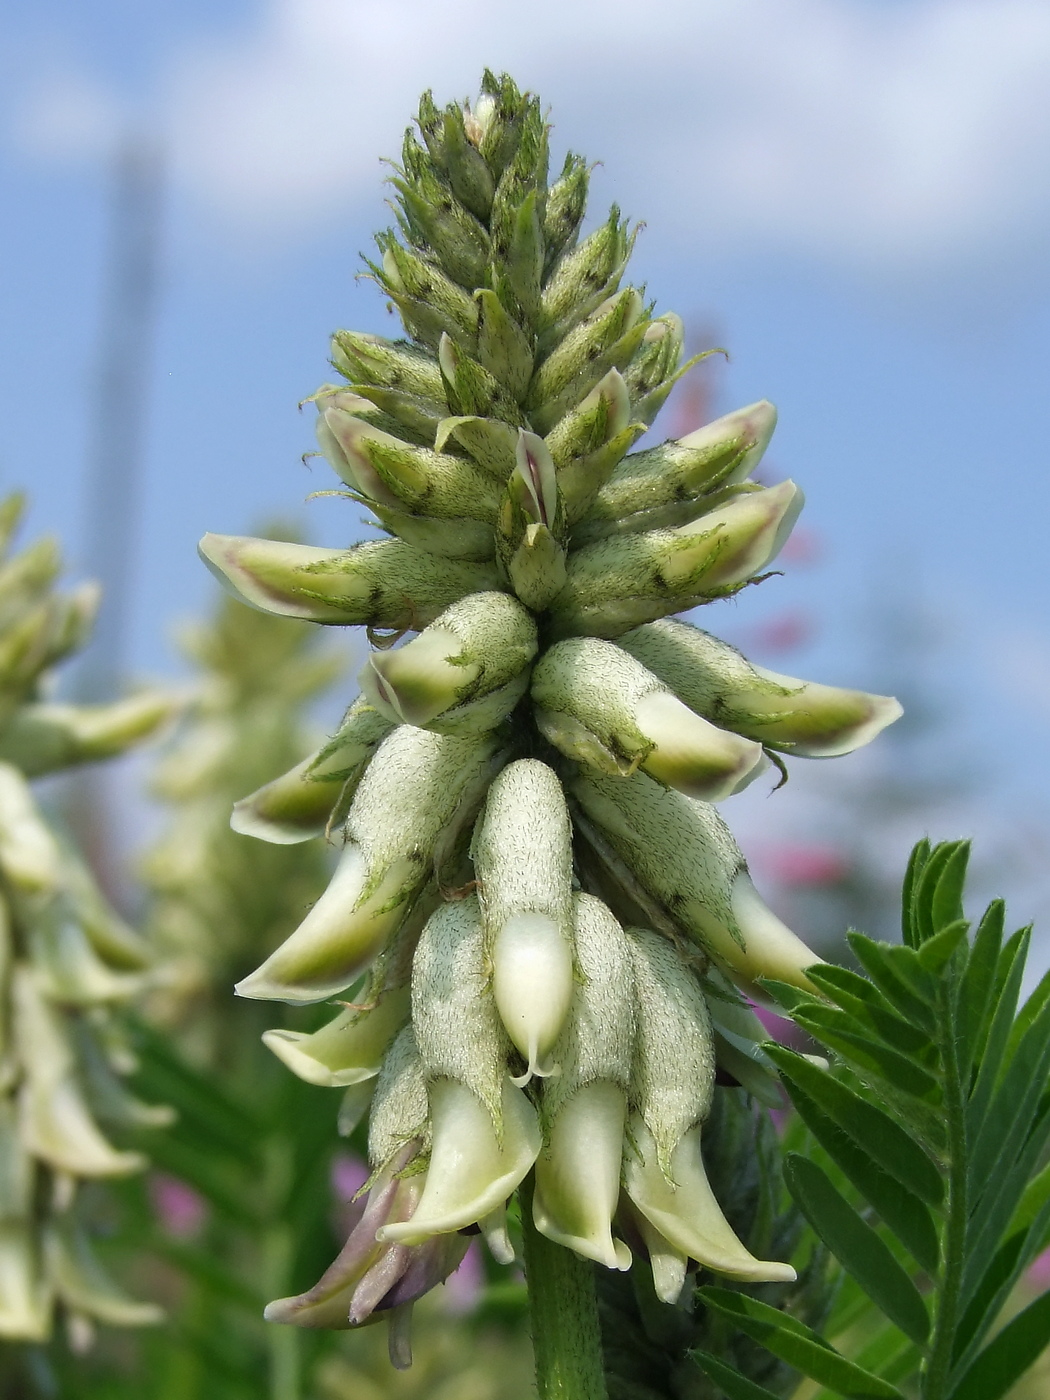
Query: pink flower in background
[[809, 864], [1039, 1274], [182, 1212], [463, 1288]]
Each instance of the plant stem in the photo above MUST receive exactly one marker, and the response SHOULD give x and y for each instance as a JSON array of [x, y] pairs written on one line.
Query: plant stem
[[566, 1337], [938, 1371], [285, 1372]]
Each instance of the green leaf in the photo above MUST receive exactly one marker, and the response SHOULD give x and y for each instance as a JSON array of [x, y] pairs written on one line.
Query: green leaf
[[1011, 1260], [903, 1213], [1009, 973], [837, 1029], [938, 951], [1035, 1197], [857, 1247], [862, 999], [901, 978], [730, 1382], [978, 982], [1028, 1013], [799, 1346], [991, 1214], [1013, 1107], [789, 997], [872, 1130], [938, 897], [916, 863], [1009, 1355]]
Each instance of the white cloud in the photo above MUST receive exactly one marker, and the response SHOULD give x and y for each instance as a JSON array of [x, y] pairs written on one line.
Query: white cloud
[[905, 135]]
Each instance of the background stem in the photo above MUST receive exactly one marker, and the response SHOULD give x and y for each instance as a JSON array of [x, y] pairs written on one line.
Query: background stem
[[564, 1310]]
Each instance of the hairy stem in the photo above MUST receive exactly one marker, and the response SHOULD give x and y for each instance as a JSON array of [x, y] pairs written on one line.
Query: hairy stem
[[938, 1371], [564, 1310]]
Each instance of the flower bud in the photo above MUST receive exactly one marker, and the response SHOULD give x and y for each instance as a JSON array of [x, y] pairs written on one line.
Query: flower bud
[[370, 360], [603, 413], [458, 241], [68, 969], [492, 443], [537, 568], [468, 172], [351, 747], [566, 203], [681, 1206], [414, 798], [452, 539], [395, 473], [516, 275], [56, 1124], [522, 855], [431, 304], [621, 582], [336, 1299], [586, 277], [682, 852], [383, 583], [666, 485], [349, 1049], [503, 347], [470, 389], [41, 738], [605, 341], [583, 1107], [673, 1070], [465, 671], [654, 369], [599, 706], [800, 717], [292, 808]]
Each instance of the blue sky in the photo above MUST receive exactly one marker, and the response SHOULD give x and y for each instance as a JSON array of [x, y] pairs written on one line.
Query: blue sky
[[854, 195]]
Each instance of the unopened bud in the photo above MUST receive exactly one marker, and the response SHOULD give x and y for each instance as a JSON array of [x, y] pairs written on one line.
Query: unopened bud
[[83, 1286], [599, 706], [349, 1049], [292, 808], [418, 790], [427, 482], [493, 444], [666, 485], [368, 359], [622, 582], [522, 855], [800, 717], [587, 276], [537, 569], [503, 347], [683, 853], [448, 677], [583, 1107], [459, 241], [566, 203], [384, 583], [605, 341], [431, 304], [25, 1298]]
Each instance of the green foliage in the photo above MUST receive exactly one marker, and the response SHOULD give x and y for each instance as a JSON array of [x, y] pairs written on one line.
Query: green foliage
[[928, 1181]]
